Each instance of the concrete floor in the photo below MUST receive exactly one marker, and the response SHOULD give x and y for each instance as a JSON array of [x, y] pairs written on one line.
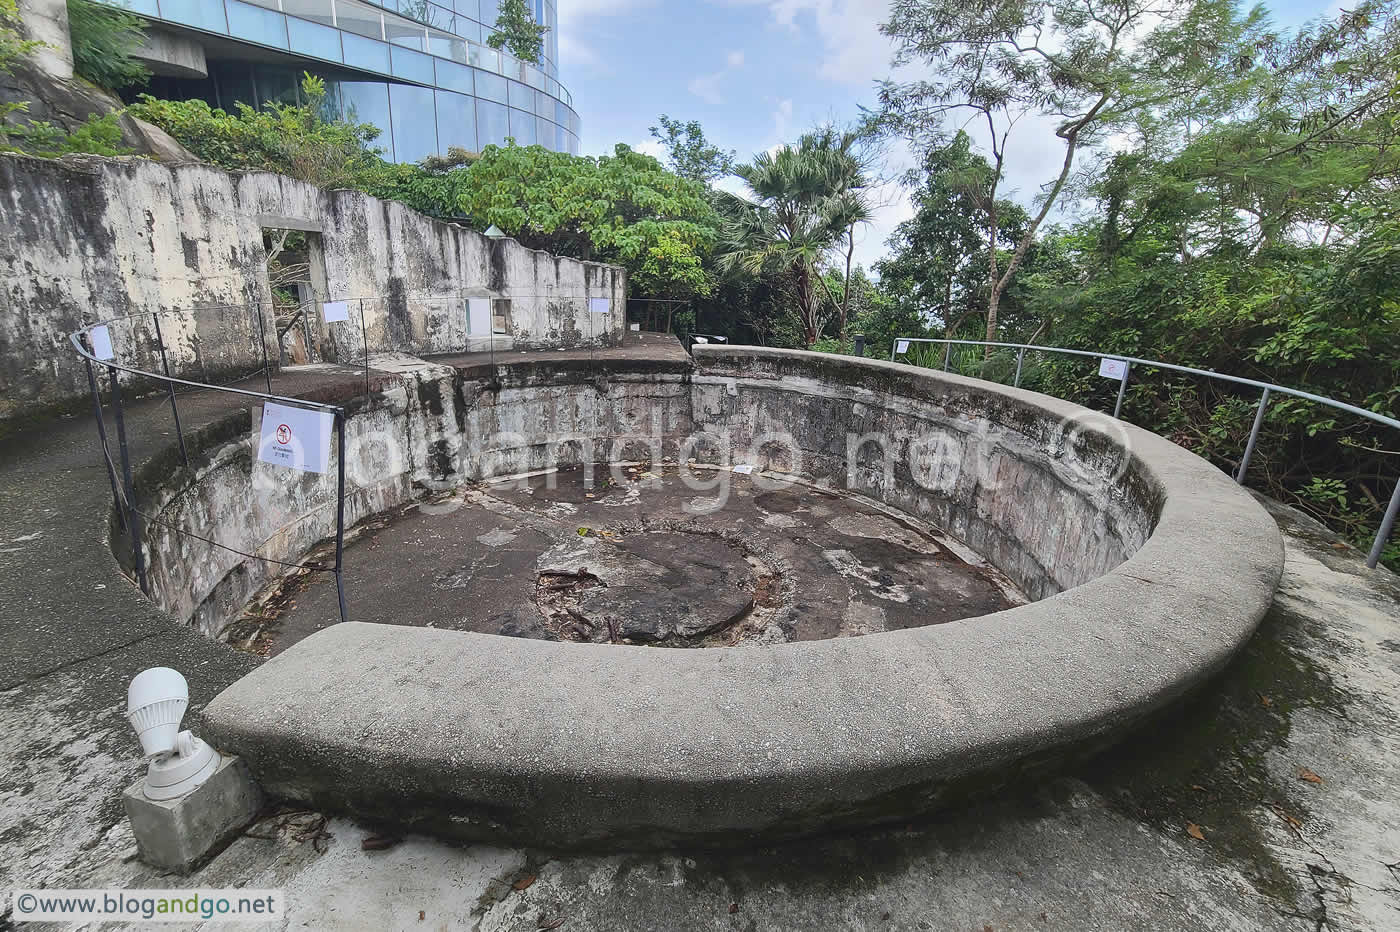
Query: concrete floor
[[1108, 846], [1316, 694], [640, 555]]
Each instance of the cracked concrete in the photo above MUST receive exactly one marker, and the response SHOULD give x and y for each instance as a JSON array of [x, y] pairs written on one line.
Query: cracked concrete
[[1105, 847]]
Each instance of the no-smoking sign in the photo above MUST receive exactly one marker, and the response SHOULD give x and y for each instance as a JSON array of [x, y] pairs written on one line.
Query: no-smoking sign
[[297, 438]]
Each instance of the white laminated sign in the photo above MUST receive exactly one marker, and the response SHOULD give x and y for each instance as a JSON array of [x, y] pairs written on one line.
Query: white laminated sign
[[600, 305], [335, 311], [297, 438], [901, 347], [479, 316], [1112, 368], [101, 339]]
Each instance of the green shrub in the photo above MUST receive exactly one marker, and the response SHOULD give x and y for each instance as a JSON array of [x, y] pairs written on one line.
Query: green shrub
[[292, 140]]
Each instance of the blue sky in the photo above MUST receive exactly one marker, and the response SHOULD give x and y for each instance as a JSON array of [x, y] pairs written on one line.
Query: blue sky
[[755, 73]]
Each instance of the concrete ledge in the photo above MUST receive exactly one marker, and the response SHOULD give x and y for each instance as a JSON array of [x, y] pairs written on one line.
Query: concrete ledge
[[484, 737]]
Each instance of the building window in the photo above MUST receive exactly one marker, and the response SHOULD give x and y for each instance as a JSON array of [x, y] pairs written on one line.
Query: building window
[[456, 121], [415, 129]]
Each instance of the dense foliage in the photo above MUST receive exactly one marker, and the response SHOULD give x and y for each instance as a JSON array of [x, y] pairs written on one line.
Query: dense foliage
[[104, 38], [1249, 227], [293, 140]]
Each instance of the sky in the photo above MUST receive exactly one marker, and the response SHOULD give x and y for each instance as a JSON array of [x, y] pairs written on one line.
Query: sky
[[756, 73]]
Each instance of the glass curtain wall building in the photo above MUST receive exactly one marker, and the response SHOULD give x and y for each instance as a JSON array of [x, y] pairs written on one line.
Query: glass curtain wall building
[[420, 71]]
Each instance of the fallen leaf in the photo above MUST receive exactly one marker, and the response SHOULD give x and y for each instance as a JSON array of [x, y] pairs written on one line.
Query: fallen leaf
[[379, 842], [523, 883], [551, 923], [1194, 831], [733, 907], [1306, 774], [1198, 788], [1265, 699], [422, 914]]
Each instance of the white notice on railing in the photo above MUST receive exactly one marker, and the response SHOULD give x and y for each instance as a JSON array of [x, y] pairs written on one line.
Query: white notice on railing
[[297, 438], [600, 305], [1112, 368], [901, 347], [335, 311], [101, 339]]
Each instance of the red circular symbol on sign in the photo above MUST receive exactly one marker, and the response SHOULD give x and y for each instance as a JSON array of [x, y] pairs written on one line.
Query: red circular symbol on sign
[[284, 433]]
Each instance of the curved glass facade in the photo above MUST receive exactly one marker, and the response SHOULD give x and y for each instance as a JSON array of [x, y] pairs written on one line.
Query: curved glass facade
[[419, 70]]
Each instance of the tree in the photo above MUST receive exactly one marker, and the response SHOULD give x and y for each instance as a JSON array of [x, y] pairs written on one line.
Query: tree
[[689, 153], [938, 258], [804, 200], [103, 39], [623, 208], [517, 30], [1093, 66]]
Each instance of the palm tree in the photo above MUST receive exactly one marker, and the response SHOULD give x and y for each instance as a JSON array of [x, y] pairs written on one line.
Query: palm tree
[[805, 199]]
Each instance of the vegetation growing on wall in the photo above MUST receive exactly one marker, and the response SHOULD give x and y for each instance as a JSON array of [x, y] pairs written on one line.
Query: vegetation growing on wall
[[293, 140]]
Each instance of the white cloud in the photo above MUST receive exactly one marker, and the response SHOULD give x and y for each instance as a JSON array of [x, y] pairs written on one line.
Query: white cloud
[[573, 53], [782, 120], [853, 49], [706, 86], [653, 148]]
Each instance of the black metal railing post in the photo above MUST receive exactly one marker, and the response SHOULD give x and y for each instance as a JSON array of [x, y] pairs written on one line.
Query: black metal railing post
[[133, 517], [340, 511], [364, 339], [170, 389], [102, 439], [262, 343]]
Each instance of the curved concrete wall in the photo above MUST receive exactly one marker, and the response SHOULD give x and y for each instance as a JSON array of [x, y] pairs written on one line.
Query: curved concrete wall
[[484, 737], [430, 427], [1049, 503]]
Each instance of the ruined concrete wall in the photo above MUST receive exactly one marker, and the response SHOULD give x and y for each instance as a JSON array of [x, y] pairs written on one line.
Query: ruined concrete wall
[[436, 428], [1050, 501], [92, 239]]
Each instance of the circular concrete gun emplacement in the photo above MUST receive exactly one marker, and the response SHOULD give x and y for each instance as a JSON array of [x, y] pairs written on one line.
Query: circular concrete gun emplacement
[[907, 587]]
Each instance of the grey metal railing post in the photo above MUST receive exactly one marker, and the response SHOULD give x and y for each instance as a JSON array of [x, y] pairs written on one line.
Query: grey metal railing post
[[1020, 358], [947, 350], [170, 388], [133, 518], [1122, 388], [1253, 437], [102, 438], [1387, 525]]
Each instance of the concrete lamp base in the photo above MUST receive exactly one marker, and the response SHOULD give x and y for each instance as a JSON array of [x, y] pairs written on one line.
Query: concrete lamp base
[[179, 834]]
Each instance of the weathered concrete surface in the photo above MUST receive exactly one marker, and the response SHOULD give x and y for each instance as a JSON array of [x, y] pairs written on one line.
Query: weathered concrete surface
[[460, 734], [95, 238], [639, 555], [178, 834], [1105, 847]]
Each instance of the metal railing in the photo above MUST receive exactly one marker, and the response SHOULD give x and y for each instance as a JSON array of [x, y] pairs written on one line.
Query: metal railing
[[123, 491], [143, 338], [902, 344]]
